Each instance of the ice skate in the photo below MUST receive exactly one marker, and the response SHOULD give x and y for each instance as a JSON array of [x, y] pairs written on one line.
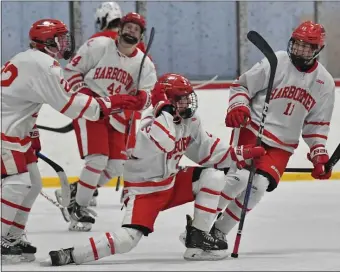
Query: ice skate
[[81, 219], [202, 246], [10, 253]]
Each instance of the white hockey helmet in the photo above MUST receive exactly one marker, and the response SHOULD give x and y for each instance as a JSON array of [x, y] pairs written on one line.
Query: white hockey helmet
[[106, 13]]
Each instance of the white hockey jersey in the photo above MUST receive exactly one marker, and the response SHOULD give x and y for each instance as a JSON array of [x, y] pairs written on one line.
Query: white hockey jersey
[[106, 71], [160, 145], [300, 102], [29, 80]]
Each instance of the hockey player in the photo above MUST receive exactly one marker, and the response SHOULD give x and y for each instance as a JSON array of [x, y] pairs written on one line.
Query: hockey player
[[106, 67], [153, 180], [29, 80], [108, 17], [302, 101]]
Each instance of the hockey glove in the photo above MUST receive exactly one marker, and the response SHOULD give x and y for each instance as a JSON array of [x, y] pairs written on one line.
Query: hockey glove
[[114, 103], [319, 157], [35, 140], [144, 99], [160, 102], [240, 154], [237, 114]]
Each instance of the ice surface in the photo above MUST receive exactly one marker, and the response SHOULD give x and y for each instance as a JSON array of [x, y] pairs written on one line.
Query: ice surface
[[296, 227]]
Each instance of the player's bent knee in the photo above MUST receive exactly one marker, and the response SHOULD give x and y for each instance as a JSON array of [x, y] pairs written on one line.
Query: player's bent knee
[[15, 188], [235, 182], [126, 239], [259, 186], [115, 168], [261, 183], [272, 182], [97, 161], [211, 179]]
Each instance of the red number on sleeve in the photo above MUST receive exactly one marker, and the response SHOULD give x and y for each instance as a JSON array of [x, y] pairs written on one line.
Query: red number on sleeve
[[9, 68]]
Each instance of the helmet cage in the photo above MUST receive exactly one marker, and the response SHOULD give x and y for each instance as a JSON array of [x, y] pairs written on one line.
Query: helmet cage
[[64, 43], [186, 105], [300, 57]]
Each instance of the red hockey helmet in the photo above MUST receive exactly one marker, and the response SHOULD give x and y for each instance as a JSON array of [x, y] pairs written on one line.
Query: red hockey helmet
[[47, 33], [305, 44], [310, 32], [135, 18], [180, 92]]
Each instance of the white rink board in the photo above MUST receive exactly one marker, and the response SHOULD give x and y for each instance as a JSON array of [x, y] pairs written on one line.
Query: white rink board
[[62, 148]]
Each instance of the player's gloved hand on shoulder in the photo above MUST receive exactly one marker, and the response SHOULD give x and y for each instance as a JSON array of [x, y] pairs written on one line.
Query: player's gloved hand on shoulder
[[160, 101], [319, 157], [240, 154], [35, 140], [114, 103], [238, 114]]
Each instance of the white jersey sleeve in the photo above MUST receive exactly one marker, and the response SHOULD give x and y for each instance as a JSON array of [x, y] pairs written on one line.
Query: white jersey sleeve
[[55, 91], [249, 83], [317, 122], [207, 150], [87, 57], [158, 134]]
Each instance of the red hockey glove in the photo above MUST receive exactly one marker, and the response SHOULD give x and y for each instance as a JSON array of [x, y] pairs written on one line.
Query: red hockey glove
[[35, 140], [240, 154], [161, 102], [319, 157], [158, 94], [111, 103], [238, 114], [144, 99]]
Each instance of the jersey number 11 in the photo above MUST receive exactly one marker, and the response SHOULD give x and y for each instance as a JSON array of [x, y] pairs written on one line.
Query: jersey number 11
[[289, 109]]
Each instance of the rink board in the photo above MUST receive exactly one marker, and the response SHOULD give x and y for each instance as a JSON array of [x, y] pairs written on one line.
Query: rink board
[[54, 181]]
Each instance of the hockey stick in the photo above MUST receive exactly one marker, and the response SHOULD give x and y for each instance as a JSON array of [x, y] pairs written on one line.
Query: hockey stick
[[205, 83], [118, 183], [64, 129], [65, 187], [333, 160], [152, 34], [128, 131], [268, 52], [55, 203]]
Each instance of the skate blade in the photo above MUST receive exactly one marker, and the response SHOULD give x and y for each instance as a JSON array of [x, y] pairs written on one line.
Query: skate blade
[[197, 254], [79, 226], [25, 257]]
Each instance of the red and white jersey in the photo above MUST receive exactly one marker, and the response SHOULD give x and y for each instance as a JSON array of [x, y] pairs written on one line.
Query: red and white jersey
[[106, 71], [29, 80], [161, 144], [300, 102]]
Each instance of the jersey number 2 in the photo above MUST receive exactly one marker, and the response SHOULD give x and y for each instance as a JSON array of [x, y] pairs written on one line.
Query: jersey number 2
[[289, 109], [13, 70]]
